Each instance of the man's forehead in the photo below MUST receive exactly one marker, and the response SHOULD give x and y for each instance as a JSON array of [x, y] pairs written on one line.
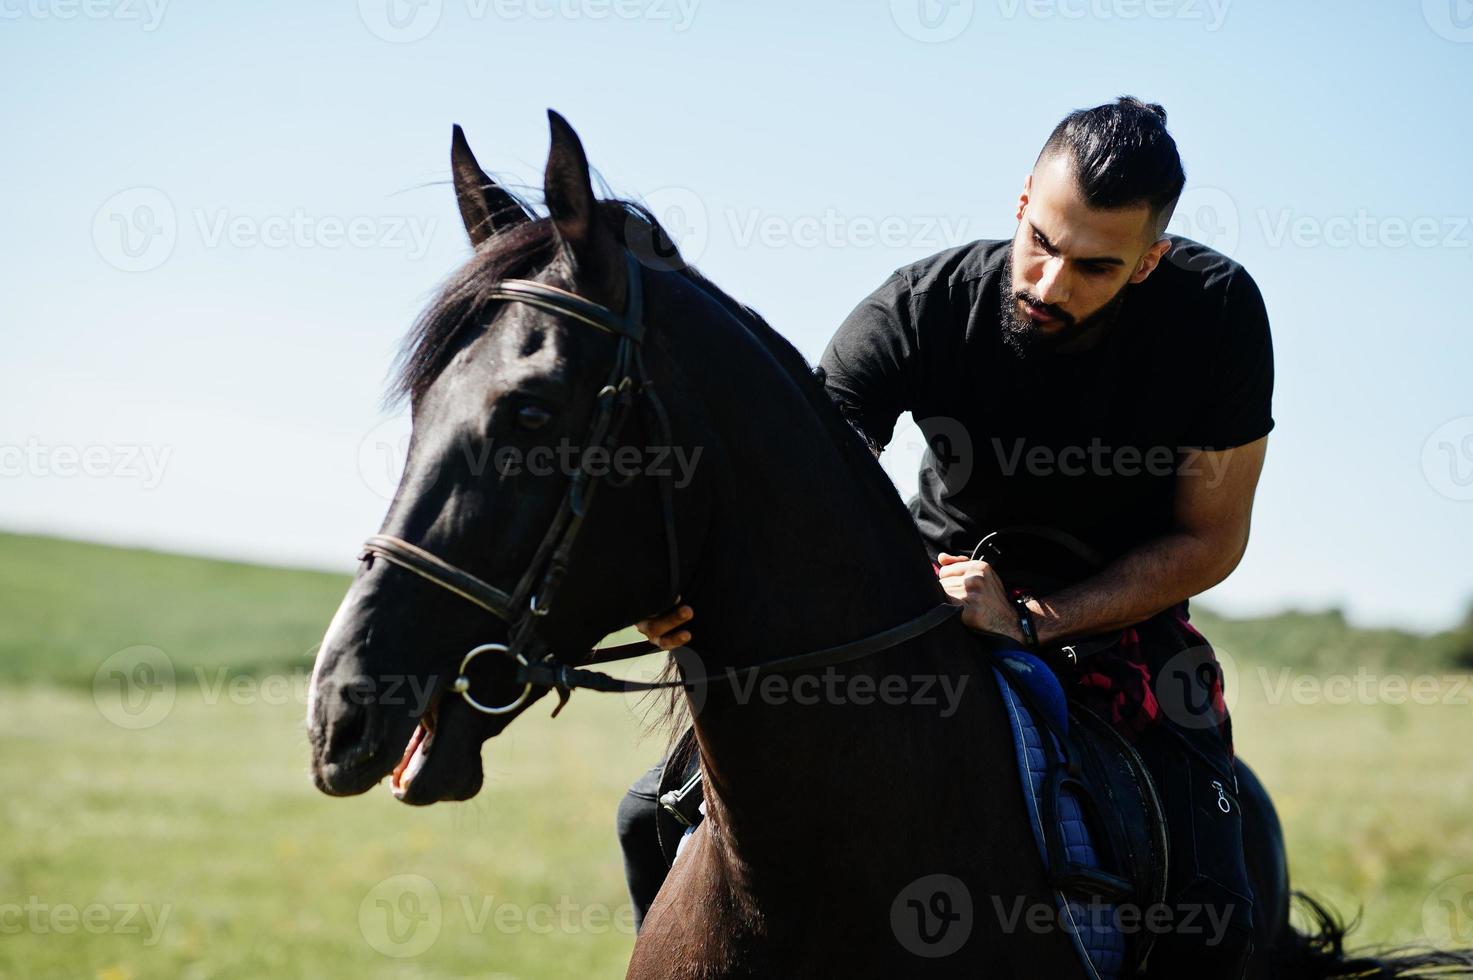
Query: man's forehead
[[1058, 210]]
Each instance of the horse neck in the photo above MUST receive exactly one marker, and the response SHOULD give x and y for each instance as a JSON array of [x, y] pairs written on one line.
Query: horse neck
[[807, 547], [808, 544]]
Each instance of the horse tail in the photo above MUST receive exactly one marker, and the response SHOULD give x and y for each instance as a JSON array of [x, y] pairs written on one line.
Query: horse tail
[[1319, 953]]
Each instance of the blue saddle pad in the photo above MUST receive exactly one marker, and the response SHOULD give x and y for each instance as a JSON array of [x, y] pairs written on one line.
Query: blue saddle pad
[[1092, 928]]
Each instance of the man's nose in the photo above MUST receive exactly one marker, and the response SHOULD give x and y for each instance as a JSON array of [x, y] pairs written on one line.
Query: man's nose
[[1053, 285]]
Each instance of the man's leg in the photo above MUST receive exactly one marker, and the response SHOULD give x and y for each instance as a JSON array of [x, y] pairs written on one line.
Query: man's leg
[[1209, 893], [644, 865]]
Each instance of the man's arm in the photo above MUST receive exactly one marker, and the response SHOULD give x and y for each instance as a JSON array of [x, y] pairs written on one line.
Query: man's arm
[[1213, 507], [1213, 511]]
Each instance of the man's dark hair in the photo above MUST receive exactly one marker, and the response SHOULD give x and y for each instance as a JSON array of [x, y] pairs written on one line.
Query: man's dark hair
[[1122, 157]]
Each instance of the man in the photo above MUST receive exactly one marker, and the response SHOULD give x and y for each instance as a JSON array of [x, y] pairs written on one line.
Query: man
[[1101, 378]]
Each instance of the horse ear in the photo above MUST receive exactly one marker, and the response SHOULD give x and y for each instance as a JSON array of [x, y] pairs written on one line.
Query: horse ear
[[485, 207], [570, 200]]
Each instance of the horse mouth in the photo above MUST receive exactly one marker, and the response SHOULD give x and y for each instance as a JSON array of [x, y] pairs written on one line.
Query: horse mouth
[[417, 751], [442, 760]]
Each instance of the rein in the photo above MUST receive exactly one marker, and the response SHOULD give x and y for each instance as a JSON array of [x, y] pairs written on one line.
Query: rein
[[534, 593]]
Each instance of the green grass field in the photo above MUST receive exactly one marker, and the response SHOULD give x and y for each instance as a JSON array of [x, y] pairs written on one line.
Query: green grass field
[[182, 838]]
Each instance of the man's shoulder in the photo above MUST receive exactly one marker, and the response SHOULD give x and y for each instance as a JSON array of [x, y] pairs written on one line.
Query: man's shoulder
[[965, 266], [1191, 269]]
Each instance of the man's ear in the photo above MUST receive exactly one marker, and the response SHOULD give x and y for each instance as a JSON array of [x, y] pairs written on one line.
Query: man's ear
[[1023, 197], [485, 207], [1150, 260], [574, 210]]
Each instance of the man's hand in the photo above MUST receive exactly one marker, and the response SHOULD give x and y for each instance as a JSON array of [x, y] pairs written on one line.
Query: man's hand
[[979, 589], [663, 630]]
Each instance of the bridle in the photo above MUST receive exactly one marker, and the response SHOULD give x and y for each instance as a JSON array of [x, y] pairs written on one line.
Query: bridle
[[533, 597]]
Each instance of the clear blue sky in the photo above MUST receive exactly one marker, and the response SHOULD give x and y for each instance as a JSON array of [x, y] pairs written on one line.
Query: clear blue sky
[[273, 175]]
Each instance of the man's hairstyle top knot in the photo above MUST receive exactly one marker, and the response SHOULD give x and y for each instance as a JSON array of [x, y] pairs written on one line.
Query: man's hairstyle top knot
[[1122, 156], [1135, 103]]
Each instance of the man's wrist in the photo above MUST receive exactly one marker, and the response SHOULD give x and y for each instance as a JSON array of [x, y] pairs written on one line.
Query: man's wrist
[[1027, 624]]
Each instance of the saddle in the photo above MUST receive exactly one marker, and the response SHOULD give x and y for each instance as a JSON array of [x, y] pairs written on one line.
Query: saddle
[[1093, 807], [1096, 816]]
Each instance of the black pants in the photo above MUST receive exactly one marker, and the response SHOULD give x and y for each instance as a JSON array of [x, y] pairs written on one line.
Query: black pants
[[644, 865], [1211, 925], [1208, 933]]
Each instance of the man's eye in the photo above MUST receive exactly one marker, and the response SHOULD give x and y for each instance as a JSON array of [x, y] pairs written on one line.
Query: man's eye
[[533, 417]]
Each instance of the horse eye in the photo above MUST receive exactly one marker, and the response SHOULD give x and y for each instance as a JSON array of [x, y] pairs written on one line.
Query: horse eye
[[533, 416]]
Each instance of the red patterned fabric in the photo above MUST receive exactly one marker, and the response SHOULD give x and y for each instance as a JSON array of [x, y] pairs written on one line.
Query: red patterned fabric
[[1121, 684]]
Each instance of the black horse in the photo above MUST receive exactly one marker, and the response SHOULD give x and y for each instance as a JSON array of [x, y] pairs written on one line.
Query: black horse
[[787, 537]]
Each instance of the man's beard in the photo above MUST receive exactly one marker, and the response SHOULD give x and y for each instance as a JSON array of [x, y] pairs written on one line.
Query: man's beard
[[1029, 342]]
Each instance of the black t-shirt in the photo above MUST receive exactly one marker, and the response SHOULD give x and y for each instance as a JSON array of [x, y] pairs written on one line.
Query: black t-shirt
[[1085, 442]]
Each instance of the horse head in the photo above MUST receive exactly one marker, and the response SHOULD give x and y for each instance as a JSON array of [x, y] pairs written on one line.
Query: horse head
[[524, 406]]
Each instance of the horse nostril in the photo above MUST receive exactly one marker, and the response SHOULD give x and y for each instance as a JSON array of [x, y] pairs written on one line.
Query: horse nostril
[[348, 725]]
